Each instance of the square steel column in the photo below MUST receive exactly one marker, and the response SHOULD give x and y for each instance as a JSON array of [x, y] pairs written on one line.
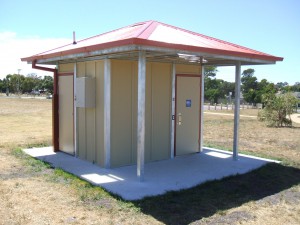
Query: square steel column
[[75, 111], [173, 111], [141, 115], [237, 110], [201, 107], [107, 94]]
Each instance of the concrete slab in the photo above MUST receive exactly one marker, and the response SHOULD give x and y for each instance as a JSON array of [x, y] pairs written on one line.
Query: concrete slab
[[162, 176]]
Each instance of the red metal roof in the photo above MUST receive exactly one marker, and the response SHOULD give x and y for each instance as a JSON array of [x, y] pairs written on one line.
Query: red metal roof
[[155, 34]]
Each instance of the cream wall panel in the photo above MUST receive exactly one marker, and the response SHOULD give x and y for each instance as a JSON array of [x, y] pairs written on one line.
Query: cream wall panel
[[81, 120], [90, 113], [134, 93], [121, 113], [148, 122], [69, 67], [161, 96], [124, 111], [188, 69], [99, 113]]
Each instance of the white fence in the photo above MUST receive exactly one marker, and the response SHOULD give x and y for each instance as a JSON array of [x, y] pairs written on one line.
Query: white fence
[[230, 106]]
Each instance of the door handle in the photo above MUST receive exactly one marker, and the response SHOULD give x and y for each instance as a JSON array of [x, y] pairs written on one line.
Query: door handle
[[179, 119]]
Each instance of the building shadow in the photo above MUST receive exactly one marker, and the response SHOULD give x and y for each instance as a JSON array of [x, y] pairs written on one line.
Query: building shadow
[[186, 206]]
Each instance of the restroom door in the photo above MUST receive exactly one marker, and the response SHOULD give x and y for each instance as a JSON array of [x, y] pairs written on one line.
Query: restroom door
[[66, 113], [187, 109]]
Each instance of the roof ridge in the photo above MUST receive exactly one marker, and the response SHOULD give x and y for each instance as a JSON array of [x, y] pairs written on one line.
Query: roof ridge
[[147, 24], [98, 35]]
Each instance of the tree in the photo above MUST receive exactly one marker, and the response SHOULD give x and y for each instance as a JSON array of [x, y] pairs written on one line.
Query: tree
[[5, 83], [249, 86], [31, 83], [210, 71], [2, 87], [296, 87], [215, 89], [278, 109], [280, 85], [47, 84], [228, 87], [211, 85], [264, 87]]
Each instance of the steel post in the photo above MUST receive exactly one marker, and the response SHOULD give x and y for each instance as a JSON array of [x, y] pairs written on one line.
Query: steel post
[[237, 110], [141, 115]]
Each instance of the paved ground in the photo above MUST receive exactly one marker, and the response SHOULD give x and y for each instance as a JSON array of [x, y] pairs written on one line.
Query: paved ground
[[295, 117], [174, 174]]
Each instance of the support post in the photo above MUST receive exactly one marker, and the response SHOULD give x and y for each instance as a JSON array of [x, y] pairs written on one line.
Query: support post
[[107, 94], [173, 110], [201, 107], [75, 111], [141, 115], [237, 110]]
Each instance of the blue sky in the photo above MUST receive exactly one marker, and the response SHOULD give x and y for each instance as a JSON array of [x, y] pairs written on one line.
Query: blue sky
[[270, 26]]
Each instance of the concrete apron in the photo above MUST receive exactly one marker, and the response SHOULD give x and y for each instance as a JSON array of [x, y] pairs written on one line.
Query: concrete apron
[[174, 174]]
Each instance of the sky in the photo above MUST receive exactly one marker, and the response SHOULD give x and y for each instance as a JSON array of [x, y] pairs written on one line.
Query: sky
[[271, 26]]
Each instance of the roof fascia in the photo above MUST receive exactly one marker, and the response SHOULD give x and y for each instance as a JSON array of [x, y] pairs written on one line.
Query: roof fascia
[[134, 47]]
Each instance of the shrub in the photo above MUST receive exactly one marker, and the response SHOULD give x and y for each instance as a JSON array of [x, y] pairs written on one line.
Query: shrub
[[277, 109]]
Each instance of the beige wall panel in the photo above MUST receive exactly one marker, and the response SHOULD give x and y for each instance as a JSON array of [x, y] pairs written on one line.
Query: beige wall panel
[[66, 129], [81, 141], [81, 69], [161, 96], [148, 122], [134, 92], [121, 109], [100, 113], [69, 67], [81, 120], [188, 69], [90, 113]]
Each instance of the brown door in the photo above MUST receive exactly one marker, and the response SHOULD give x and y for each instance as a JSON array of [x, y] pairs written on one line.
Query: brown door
[[187, 139]]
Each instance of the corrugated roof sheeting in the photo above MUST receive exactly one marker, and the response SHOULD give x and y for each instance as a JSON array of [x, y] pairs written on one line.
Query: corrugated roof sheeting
[[160, 35]]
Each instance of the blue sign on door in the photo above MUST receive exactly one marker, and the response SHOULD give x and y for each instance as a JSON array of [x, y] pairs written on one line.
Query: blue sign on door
[[188, 103]]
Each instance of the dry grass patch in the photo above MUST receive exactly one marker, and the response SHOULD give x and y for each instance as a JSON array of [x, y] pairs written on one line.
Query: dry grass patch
[[255, 137], [33, 193], [25, 121]]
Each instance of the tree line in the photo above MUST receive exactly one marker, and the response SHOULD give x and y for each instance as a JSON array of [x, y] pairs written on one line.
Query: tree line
[[30, 84], [215, 90], [218, 90]]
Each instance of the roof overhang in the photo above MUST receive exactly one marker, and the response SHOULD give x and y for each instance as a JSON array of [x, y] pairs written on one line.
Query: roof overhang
[[155, 51], [161, 42]]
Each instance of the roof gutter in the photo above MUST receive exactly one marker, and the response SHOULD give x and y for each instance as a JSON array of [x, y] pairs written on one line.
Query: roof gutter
[[55, 100]]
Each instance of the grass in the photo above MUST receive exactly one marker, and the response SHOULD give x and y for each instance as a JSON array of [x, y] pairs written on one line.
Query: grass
[[32, 163], [255, 138], [218, 196], [32, 192]]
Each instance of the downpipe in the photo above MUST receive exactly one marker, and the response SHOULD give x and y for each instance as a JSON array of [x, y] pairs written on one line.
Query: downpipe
[[55, 100]]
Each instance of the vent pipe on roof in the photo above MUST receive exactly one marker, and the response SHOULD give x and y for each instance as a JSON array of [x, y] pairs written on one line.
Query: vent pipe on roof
[[74, 39]]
